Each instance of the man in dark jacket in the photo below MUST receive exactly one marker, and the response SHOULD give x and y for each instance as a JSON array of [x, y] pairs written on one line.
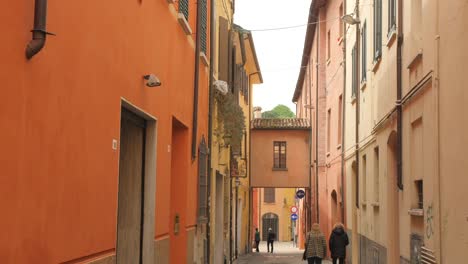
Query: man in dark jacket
[[337, 243], [257, 239], [270, 239]]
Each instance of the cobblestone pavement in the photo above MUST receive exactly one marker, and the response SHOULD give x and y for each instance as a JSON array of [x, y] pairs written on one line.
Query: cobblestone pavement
[[284, 253]]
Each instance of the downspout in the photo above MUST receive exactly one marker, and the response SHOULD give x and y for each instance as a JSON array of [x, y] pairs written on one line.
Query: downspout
[[343, 123], [358, 98], [309, 215], [437, 131], [195, 83], [39, 32], [399, 96], [249, 163], [316, 122], [210, 122]]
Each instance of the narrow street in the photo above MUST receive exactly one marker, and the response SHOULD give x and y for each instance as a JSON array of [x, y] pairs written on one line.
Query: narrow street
[[284, 253]]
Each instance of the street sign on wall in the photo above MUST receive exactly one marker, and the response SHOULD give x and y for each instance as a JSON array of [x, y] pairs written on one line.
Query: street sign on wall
[[300, 194], [294, 217], [293, 209]]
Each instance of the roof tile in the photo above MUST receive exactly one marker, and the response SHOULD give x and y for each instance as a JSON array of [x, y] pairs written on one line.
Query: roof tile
[[280, 123]]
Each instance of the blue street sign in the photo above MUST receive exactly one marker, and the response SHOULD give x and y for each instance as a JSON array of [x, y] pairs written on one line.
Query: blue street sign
[[294, 217], [300, 194]]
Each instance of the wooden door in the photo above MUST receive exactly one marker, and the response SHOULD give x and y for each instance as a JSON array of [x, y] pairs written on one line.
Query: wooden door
[[130, 196]]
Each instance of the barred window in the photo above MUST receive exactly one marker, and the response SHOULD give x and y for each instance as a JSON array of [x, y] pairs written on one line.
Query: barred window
[[269, 195]]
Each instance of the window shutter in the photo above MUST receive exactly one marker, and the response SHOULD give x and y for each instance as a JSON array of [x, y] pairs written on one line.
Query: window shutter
[[223, 49], [204, 26], [354, 72], [184, 8], [203, 182], [377, 29], [364, 53], [269, 195]]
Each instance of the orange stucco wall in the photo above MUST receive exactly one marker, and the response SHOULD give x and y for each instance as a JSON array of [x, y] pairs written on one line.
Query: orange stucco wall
[[61, 111], [297, 158]]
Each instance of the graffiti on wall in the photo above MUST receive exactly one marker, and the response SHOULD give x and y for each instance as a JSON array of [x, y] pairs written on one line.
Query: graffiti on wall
[[429, 221]]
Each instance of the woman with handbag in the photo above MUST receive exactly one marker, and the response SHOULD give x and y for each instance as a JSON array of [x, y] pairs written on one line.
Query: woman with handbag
[[316, 246]]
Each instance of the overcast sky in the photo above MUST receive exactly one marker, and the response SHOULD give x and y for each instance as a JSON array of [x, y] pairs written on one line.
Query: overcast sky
[[279, 51]]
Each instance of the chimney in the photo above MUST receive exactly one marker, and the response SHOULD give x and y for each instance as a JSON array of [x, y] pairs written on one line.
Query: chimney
[[257, 112]]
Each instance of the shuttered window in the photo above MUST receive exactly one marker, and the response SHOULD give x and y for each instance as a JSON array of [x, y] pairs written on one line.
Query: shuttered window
[[204, 25], [279, 154], [203, 182], [377, 29], [223, 68], [184, 8], [391, 15], [354, 72], [364, 53], [269, 195]]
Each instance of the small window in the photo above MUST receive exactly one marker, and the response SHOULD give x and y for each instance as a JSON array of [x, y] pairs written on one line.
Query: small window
[[364, 53], [377, 29], [269, 195], [328, 129], [376, 174], [419, 189], [391, 15], [279, 155], [340, 118], [184, 8], [354, 73], [203, 182]]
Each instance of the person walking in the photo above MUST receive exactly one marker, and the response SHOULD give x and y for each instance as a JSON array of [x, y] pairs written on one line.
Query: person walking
[[271, 239], [257, 239], [315, 246], [337, 243]]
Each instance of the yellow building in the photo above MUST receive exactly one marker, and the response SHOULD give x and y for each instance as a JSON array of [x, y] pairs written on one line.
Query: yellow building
[[236, 70], [275, 212]]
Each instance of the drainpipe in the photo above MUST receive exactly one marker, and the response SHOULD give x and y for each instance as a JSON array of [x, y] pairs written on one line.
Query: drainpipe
[[39, 32], [316, 122], [309, 215], [343, 122], [195, 83], [249, 163], [210, 123], [399, 96]]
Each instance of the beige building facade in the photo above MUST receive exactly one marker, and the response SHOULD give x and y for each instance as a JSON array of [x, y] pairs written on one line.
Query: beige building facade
[[406, 102]]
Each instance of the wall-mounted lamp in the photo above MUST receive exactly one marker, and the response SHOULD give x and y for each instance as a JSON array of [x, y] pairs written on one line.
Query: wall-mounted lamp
[[152, 80], [350, 19]]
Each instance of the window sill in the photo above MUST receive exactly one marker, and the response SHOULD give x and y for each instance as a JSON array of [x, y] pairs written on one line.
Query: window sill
[[279, 169], [375, 204], [204, 59], [416, 59], [364, 204], [376, 64], [185, 25], [416, 212], [391, 38], [170, 1]]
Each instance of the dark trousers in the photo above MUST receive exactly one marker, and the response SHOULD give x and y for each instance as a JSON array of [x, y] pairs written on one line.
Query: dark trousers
[[314, 260], [335, 260], [257, 244], [270, 242]]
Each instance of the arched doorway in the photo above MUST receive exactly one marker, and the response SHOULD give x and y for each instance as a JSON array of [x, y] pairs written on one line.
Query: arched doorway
[[393, 223], [334, 208], [269, 220]]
